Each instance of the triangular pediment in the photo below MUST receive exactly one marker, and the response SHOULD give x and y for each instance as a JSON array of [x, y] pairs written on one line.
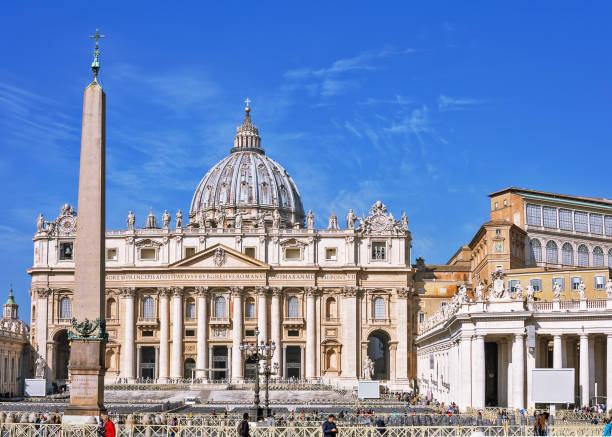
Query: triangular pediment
[[219, 257]]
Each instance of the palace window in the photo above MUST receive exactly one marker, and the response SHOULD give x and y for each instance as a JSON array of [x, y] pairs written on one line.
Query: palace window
[[379, 251], [608, 224], [550, 217], [581, 223], [65, 252], [565, 219], [189, 252], [111, 308], [293, 333], [610, 258], [583, 256], [536, 284], [293, 254], [576, 280], [65, 308], [292, 307], [536, 250], [111, 254], [552, 252], [249, 251], [534, 215], [598, 257], [190, 309], [443, 304], [596, 222], [148, 307], [379, 308], [330, 308], [147, 254], [249, 333], [560, 281], [599, 282], [331, 254], [567, 254], [147, 333], [421, 317], [220, 306], [512, 285], [190, 333], [249, 308]]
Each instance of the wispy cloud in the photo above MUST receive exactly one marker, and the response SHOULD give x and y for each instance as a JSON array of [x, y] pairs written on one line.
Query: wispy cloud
[[397, 100], [447, 103]]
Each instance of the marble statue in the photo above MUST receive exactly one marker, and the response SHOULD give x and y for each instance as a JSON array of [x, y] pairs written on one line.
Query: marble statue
[[179, 219], [261, 220], [557, 291], [50, 227], [40, 223], [404, 222], [479, 291], [609, 288], [166, 219], [368, 368], [518, 289], [582, 290], [333, 221], [238, 221], [276, 219], [530, 292], [498, 287], [40, 368], [310, 220], [66, 210], [130, 220], [462, 294], [350, 219]]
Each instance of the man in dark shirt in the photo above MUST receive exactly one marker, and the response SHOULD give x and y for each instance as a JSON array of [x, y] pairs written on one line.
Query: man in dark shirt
[[329, 427], [243, 426]]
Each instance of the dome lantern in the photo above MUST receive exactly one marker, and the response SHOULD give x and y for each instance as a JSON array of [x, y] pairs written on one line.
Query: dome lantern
[[247, 134]]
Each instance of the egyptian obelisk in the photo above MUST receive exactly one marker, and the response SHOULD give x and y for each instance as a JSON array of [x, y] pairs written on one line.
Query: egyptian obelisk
[[88, 335]]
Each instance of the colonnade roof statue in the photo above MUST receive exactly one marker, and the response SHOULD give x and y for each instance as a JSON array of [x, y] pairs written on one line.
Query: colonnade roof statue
[[247, 186]]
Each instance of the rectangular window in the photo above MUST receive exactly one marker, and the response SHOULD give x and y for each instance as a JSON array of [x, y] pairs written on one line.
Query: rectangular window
[[111, 254], [600, 282], [550, 217], [249, 333], [249, 251], [534, 215], [442, 290], [576, 280], [581, 223], [293, 254], [596, 222], [189, 252], [331, 254], [147, 333], [379, 251], [293, 333], [443, 304], [512, 285], [536, 284], [65, 251], [421, 317], [190, 333], [560, 281], [147, 254], [565, 220], [608, 224]]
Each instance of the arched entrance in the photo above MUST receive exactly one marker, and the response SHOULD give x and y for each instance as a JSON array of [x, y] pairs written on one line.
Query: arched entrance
[[378, 351], [61, 355], [188, 368], [250, 369]]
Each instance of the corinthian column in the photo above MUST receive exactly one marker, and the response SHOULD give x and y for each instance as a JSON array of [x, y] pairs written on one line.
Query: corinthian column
[[237, 370], [518, 371], [350, 333], [262, 312], [176, 360], [202, 347], [401, 365], [42, 320], [276, 327], [127, 371], [311, 332], [164, 333]]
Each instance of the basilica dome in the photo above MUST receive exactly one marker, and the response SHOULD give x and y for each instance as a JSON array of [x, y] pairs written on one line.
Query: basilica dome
[[249, 184]]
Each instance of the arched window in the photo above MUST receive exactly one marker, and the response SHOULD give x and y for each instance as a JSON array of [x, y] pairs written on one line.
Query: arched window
[[111, 308], [148, 308], [220, 306], [249, 308], [379, 308], [610, 258], [65, 308], [583, 256], [292, 307], [598, 260], [190, 309], [567, 254], [536, 250], [552, 252], [330, 308]]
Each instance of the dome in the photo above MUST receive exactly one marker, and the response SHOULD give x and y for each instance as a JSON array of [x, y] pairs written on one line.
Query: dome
[[246, 183]]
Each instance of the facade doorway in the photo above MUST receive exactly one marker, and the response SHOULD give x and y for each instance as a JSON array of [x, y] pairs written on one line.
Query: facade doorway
[[491, 375], [147, 362], [250, 369], [378, 351], [220, 362], [293, 366], [61, 355], [189, 368]]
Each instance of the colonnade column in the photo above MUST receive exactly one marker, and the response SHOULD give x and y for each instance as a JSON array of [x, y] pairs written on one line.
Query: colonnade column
[[276, 329], [284, 363], [176, 359], [465, 363], [518, 371], [311, 332], [401, 365], [42, 322], [350, 360], [202, 338], [584, 369], [164, 333], [531, 364], [557, 351], [609, 372], [127, 371], [478, 363], [210, 362], [262, 313], [236, 359]]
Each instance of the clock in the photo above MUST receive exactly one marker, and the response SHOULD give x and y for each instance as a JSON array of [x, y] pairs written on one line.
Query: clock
[[67, 224], [378, 224]]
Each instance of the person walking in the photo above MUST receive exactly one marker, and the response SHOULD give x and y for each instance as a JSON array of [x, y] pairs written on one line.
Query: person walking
[[607, 427], [329, 427], [243, 426], [107, 425]]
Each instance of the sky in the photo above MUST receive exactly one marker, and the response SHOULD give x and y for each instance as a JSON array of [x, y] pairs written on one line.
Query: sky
[[426, 106]]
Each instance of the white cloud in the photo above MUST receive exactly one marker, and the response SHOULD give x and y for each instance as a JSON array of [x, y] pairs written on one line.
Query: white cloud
[[447, 103]]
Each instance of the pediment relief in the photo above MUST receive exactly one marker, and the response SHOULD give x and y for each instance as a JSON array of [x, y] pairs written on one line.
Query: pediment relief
[[293, 242], [147, 242], [219, 257]]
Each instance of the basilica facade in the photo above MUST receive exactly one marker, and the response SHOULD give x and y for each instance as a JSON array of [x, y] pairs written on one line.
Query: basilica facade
[[244, 264]]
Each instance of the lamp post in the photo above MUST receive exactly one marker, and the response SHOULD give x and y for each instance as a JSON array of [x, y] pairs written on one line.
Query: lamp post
[[268, 371], [257, 352]]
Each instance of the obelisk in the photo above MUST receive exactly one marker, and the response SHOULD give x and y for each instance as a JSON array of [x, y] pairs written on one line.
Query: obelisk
[[88, 335]]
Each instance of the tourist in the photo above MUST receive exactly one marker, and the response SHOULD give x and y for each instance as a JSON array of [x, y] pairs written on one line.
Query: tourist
[[381, 426], [243, 426], [108, 425], [329, 427], [173, 427], [607, 427]]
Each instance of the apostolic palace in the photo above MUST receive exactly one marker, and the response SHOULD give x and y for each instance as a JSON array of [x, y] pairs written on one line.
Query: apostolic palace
[[184, 291]]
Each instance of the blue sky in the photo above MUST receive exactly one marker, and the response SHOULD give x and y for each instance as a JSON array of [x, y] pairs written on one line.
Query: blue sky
[[426, 106]]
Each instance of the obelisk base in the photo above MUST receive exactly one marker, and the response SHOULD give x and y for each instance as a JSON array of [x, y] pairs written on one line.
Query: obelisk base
[[87, 381]]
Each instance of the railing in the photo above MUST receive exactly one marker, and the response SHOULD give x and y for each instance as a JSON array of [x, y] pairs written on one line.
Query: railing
[[379, 321], [219, 321], [569, 304], [597, 303], [543, 306]]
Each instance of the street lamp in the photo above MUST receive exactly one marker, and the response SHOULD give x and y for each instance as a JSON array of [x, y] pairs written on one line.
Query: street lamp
[[257, 352], [269, 371]]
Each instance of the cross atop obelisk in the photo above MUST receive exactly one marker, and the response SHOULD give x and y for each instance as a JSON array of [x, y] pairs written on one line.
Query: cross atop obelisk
[[95, 65]]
